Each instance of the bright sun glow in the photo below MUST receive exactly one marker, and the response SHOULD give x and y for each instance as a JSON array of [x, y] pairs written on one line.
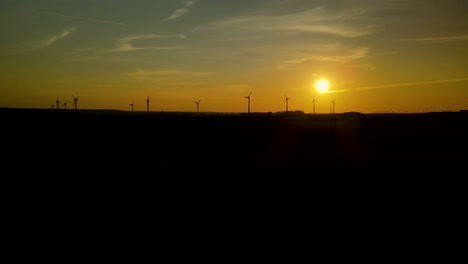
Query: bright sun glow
[[322, 85]]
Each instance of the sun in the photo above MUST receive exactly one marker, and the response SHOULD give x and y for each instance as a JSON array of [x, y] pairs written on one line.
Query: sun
[[322, 85]]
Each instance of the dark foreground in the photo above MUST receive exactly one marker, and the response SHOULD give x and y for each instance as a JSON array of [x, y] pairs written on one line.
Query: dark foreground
[[113, 174], [279, 149], [167, 143]]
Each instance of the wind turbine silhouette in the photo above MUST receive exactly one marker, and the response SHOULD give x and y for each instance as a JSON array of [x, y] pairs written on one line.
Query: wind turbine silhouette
[[147, 103], [333, 106], [286, 101], [65, 105], [75, 101], [197, 102], [58, 103], [248, 100], [313, 101], [132, 104]]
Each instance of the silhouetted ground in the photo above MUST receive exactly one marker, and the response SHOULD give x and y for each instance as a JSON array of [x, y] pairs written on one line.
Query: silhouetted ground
[[114, 173], [262, 140], [294, 147], [266, 150]]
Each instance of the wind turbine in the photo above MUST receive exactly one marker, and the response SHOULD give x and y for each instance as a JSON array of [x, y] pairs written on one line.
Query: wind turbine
[[65, 105], [197, 102], [313, 101], [58, 103], [286, 101], [333, 106], [132, 104], [147, 103], [248, 100], [75, 101]]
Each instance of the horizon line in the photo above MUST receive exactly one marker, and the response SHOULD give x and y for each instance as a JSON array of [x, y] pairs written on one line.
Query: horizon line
[[232, 112]]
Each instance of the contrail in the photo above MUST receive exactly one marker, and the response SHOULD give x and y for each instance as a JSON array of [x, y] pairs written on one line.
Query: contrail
[[398, 85], [82, 18]]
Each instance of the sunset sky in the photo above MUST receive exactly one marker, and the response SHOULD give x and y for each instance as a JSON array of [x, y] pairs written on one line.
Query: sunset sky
[[378, 55]]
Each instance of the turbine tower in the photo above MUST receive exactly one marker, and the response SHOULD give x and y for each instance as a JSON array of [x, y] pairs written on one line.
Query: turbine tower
[[248, 101], [286, 101], [147, 103], [333, 106], [75, 101], [132, 104], [58, 103], [313, 101], [197, 102]]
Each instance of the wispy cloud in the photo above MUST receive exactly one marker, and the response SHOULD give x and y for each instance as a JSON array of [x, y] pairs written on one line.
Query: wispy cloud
[[54, 38], [399, 85], [313, 20], [71, 81], [151, 74], [442, 39], [169, 77], [180, 11], [82, 18], [334, 52], [238, 86], [283, 57], [125, 44], [235, 88], [285, 39]]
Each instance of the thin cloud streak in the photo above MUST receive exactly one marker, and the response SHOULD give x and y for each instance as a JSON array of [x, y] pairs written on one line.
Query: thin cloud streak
[[82, 18], [442, 39], [329, 53], [398, 85], [339, 54], [124, 44], [180, 11], [51, 40], [148, 74], [168, 77]]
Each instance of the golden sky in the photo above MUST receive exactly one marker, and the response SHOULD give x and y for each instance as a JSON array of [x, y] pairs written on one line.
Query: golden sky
[[378, 55]]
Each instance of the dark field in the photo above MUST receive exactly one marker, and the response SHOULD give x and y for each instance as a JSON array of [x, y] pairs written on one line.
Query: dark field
[[293, 150], [104, 170], [349, 143]]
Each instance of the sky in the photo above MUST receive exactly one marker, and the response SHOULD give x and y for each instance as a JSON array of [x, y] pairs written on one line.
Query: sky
[[377, 55]]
